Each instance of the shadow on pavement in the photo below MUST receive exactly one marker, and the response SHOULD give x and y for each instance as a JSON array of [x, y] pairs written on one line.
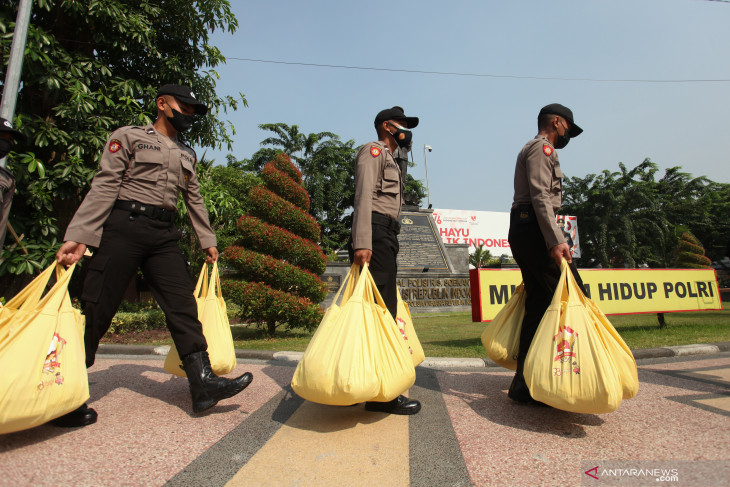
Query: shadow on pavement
[[486, 394], [174, 391], [21, 439], [319, 418], [681, 378]]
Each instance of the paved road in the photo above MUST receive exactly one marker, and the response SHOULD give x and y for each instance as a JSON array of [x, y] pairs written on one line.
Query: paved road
[[468, 433]]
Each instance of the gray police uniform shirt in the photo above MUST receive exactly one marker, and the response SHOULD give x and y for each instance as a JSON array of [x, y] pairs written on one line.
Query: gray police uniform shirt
[[378, 187], [141, 164], [538, 181]]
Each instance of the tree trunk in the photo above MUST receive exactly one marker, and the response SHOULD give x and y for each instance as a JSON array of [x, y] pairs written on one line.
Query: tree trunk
[[271, 327]]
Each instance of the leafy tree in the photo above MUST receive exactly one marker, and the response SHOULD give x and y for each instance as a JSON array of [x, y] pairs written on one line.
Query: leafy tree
[[276, 255], [415, 191], [328, 172], [90, 67], [628, 218], [294, 142], [331, 185], [224, 191], [481, 258]]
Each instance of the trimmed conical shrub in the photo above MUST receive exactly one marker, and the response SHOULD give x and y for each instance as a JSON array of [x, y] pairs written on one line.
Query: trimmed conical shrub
[[276, 257], [690, 254]]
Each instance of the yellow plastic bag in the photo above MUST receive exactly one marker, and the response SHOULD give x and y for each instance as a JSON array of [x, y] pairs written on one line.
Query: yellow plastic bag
[[42, 362], [216, 329], [357, 353], [408, 332], [501, 337], [568, 365], [621, 353]]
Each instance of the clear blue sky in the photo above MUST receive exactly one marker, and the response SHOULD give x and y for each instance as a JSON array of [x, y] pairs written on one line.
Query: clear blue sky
[[477, 124]]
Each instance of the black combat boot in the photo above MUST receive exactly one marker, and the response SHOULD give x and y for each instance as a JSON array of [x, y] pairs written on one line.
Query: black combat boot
[[81, 416], [206, 388], [399, 405], [518, 390]]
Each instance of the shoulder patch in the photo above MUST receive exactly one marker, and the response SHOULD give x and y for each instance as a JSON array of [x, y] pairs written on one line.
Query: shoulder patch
[[114, 145], [374, 151], [547, 150]]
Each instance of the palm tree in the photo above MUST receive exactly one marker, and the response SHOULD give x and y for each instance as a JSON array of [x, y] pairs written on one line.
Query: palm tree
[[480, 257], [299, 146]]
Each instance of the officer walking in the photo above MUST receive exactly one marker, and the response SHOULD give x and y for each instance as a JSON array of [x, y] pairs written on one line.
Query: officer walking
[[538, 244], [127, 216], [375, 227]]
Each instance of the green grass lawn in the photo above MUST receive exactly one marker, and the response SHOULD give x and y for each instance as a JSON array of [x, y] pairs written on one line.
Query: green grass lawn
[[455, 335]]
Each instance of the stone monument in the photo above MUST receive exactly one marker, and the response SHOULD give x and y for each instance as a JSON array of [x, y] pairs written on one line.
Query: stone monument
[[432, 276]]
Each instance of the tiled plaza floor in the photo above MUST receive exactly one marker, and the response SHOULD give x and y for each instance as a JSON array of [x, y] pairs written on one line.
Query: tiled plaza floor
[[468, 433]]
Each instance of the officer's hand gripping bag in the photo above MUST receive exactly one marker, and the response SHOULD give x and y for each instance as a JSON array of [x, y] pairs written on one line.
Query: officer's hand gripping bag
[[216, 328], [42, 362], [408, 332], [568, 365], [356, 354], [501, 337]]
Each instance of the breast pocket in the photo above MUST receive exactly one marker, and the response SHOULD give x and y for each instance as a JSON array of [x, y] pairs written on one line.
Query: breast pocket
[[186, 170], [146, 170], [557, 178], [391, 181]]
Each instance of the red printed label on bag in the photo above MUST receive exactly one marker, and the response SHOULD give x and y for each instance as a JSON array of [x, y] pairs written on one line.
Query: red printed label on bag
[[52, 366], [565, 343]]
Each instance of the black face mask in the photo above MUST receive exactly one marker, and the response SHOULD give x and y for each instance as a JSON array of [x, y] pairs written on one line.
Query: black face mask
[[180, 121], [402, 137], [5, 146], [562, 140]]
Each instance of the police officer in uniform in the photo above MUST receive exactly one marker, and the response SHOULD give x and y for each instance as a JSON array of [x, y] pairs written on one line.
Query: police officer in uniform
[[375, 226], [127, 217], [538, 244]]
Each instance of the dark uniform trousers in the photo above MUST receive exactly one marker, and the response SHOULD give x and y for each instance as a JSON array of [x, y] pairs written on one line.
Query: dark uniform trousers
[[130, 241], [540, 273], [383, 266]]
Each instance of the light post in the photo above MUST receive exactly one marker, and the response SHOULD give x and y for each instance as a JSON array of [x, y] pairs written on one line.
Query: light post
[[425, 163], [15, 64]]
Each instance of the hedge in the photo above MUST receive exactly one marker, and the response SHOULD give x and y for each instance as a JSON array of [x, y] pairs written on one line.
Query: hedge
[[283, 163], [276, 210], [271, 308], [125, 322], [690, 253], [276, 274], [281, 184], [282, 244]]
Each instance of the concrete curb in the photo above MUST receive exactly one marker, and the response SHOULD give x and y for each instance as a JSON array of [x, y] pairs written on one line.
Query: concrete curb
[[432, 362]]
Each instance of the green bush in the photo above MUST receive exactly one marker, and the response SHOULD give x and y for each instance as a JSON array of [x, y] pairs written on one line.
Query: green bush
[[690, 254], [256, 267], [126, 322], [274, 284], [269, 308], [280, 183], [275, 241]]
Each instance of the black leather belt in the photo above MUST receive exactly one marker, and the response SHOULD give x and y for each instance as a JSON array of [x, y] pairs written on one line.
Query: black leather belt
[[385, 221], [151, 211]]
